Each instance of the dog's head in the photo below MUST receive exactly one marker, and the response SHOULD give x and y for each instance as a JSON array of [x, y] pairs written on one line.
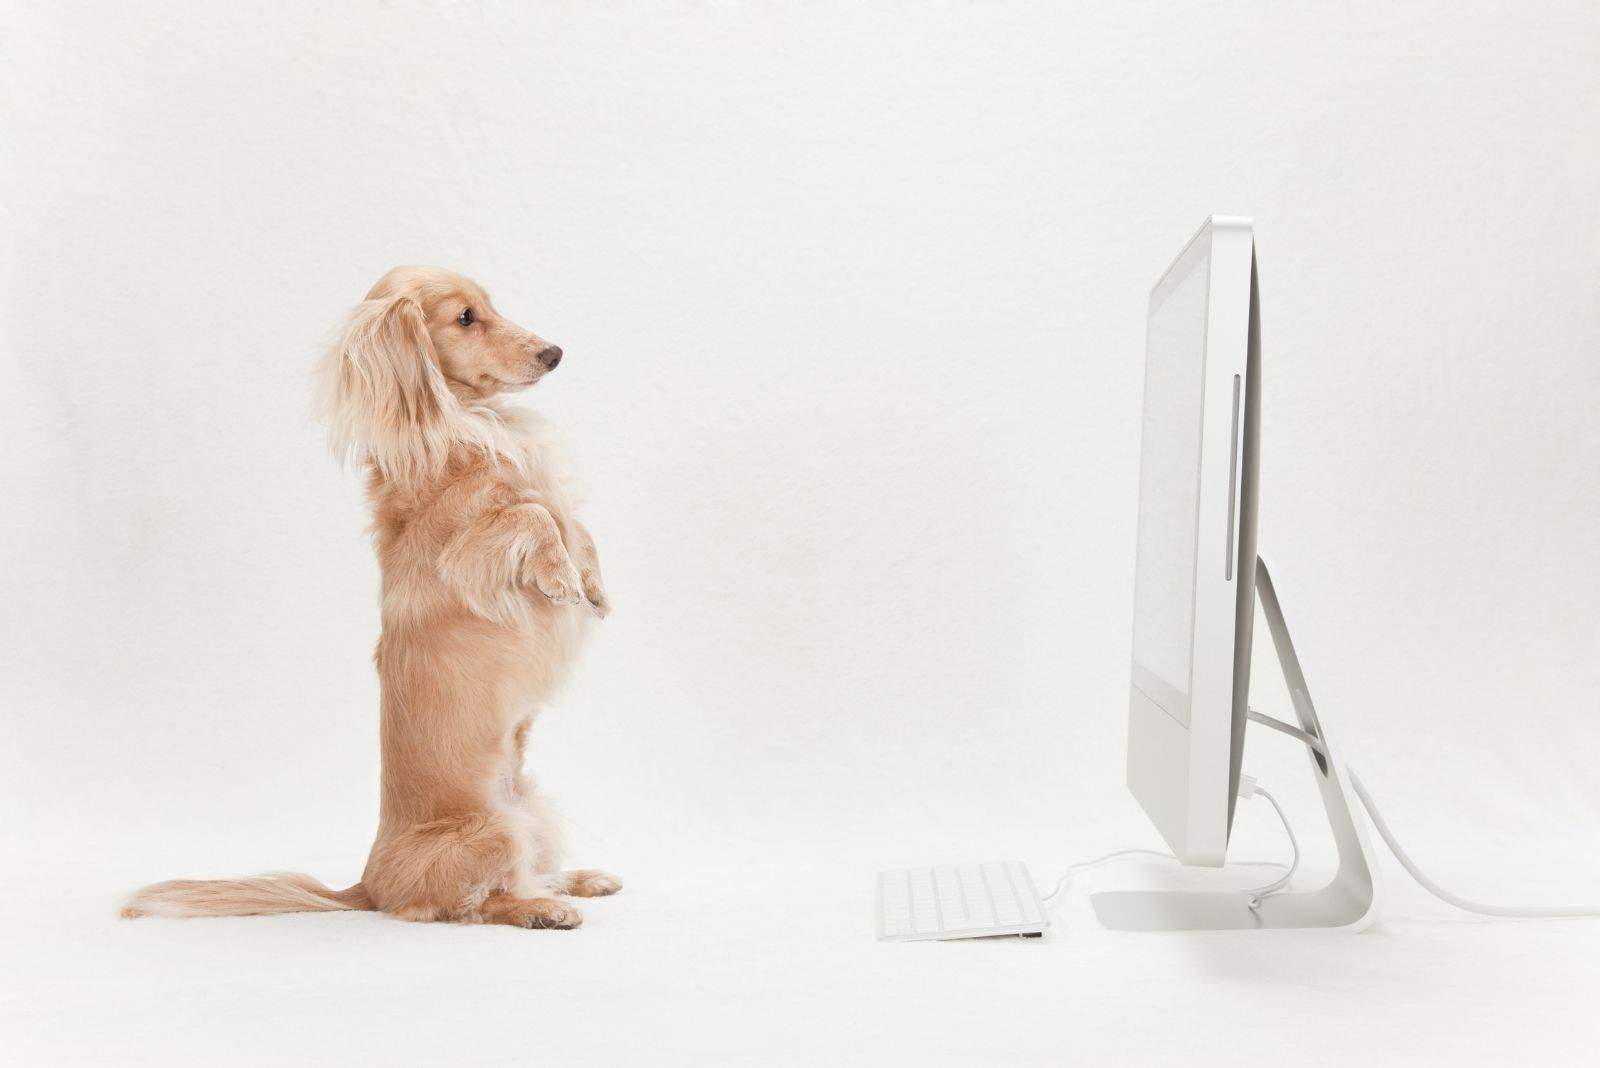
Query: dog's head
[[416, 358], [479, 352]]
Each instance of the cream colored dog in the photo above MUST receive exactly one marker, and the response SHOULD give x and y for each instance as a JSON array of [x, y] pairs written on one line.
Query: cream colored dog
[[489, 583]]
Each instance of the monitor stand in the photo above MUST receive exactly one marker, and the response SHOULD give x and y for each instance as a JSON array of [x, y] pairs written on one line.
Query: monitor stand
[[1350, 901]]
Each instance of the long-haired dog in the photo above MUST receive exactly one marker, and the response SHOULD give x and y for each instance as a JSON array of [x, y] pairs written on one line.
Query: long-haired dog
[[489, 583]]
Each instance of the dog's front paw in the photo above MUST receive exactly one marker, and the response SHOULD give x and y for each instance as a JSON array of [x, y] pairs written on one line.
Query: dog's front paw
[[557, 579], [595, 593], [587, 882]]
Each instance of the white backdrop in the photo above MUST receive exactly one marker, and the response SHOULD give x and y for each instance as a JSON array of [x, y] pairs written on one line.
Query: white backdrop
[[853, 301]]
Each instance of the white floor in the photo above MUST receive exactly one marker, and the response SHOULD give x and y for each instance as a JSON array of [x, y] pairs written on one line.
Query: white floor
[[769, 964]]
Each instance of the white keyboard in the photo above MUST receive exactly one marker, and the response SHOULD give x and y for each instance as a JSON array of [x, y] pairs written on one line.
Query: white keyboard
[[959, 901]]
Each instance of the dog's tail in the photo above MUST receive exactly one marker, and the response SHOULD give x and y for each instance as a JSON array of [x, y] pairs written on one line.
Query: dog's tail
[[259, 895]]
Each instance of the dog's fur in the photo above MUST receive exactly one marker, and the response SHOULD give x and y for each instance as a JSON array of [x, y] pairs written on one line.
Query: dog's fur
[[489, 583]]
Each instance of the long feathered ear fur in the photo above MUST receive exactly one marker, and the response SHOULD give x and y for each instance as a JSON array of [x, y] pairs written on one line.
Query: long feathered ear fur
[[383, 396]]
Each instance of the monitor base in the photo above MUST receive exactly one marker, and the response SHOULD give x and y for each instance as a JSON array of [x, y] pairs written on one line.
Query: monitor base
[[1350, 901]]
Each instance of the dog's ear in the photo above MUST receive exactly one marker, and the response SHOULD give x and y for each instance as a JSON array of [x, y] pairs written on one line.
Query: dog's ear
[[381, 391]]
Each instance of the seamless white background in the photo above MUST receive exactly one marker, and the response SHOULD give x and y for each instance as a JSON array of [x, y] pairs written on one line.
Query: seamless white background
[[853, 302]]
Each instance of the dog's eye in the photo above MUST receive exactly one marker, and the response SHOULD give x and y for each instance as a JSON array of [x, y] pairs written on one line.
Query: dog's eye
[[466, 318]]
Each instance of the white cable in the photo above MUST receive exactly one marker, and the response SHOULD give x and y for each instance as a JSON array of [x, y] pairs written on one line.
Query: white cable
[[1524, 911], [1246, 783], [1277, 885], [1073, 869], [1249, 788]]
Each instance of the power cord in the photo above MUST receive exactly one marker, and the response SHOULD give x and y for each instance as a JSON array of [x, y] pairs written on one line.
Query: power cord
[[1531, 912], [1522, 911]]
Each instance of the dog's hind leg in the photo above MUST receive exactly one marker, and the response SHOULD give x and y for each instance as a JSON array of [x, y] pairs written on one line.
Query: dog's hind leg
[[587, 882], [445, 869], [531, 912], [542, 826]]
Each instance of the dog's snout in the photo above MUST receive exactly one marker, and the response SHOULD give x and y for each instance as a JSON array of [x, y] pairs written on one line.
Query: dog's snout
[[550, 355]]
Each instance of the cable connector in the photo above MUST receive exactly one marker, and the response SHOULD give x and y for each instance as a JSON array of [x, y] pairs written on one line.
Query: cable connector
[[1247, 787]]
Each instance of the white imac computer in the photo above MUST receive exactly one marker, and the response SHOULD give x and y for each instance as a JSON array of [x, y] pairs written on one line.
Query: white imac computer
[[1198, 577], [1194, 590]]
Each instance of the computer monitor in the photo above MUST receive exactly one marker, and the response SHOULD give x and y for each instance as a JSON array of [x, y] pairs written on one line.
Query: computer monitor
[[1194, 592]]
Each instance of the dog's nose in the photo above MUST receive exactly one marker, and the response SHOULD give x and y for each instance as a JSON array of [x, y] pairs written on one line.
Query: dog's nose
[[550, 356]]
